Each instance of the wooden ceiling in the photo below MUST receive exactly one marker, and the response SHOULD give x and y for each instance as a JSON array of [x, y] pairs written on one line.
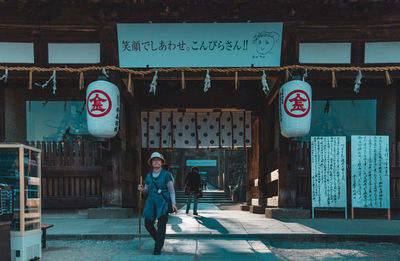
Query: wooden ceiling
[[111, 11]]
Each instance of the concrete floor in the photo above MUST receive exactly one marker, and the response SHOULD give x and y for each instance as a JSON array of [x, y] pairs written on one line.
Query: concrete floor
[[218, 250], [223, 234]]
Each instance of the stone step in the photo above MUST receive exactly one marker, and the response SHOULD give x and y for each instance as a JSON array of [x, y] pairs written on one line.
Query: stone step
[[208, 197]]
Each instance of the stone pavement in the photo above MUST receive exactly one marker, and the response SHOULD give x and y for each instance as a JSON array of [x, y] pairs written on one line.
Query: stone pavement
[[195, 249], [214, 223]]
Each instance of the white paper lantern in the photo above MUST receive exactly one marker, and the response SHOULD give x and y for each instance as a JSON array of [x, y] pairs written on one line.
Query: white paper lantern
[[102, 109], [295, 108]]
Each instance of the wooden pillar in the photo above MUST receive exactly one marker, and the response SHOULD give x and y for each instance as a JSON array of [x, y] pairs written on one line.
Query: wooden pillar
[[287, 186], [136, 145], [109, 45], [111, 176], [252, 161], [287, 175], [2, 114], [263, 137]]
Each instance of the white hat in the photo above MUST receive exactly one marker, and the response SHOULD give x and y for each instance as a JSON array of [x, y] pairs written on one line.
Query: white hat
[[156, 155]]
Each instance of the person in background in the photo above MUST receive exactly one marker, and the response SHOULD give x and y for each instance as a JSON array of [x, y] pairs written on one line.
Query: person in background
[[193, 181], [156, 206], [205, 184]]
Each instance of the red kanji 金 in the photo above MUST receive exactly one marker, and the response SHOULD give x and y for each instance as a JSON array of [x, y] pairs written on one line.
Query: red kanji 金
[[97, 103], [298, 103]]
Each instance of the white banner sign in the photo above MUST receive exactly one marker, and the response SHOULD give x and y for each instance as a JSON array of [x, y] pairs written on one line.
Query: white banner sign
[[370, 172], [328, 171], [200, 45]]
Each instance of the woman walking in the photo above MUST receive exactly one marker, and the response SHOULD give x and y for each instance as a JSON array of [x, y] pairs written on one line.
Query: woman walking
[[160, 187]]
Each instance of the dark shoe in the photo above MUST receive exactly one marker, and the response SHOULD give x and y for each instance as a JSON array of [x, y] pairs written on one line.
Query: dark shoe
[[157, 252], [187, 211], [195, 213]]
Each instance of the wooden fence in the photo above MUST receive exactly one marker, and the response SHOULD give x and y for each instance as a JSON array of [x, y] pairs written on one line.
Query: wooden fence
[[71, 174]]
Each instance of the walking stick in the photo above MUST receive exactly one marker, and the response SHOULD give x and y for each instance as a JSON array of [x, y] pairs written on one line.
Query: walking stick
[[140, 214]]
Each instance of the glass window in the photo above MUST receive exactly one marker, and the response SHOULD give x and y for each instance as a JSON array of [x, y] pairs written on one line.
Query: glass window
[[343, 118], [56, 121]]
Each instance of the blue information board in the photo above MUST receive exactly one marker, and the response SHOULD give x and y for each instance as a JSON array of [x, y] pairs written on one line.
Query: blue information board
[[201, 163]]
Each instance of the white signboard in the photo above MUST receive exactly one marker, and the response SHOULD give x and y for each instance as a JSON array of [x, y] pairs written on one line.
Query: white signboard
[[328, 171], [200, 45], [370, 172]]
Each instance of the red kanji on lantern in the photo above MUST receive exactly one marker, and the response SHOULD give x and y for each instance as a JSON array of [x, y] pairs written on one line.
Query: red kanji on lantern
[[98, 103], [297, 104]]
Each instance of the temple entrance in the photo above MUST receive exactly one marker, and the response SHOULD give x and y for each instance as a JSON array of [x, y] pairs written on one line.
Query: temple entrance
[[214, 141], [223, 171]]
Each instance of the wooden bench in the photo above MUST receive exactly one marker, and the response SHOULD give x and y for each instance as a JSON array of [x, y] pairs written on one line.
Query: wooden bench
[[44, 228]]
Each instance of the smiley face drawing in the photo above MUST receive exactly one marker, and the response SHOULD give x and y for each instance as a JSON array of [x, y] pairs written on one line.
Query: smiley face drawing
[[265, 41]]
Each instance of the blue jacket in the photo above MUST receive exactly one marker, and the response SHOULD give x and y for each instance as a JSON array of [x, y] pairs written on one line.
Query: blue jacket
[[156, 206]]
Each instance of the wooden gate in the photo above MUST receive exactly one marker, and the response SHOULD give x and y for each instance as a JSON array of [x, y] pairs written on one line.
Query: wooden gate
[[71, 174]]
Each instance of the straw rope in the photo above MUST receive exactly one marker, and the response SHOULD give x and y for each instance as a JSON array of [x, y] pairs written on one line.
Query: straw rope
[[202, 69]]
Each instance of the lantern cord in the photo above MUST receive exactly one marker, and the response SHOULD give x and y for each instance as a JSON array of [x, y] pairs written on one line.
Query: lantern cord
[[207, 81], [105, 73], [219, 129], [148, 130], [183, 80], [264, 82], [153, 84], [236, 80], [81, 81], [172, 129], [244, 129], [160, 130], [388, 78], [83, 108], [233, 144], [327, 105], [30, 81], [130, 89], [5, 76], [357, 82], [334, 82], [197, 132]]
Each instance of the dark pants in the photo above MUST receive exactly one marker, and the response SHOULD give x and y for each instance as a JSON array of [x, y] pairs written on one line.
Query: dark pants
[[158, 236], [189, 201]]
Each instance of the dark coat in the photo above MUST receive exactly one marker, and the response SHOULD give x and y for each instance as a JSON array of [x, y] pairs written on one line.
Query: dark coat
[[193, 180]]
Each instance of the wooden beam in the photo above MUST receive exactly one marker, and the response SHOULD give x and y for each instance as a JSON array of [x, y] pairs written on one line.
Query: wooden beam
[[274, 91], [272, 79], [2, 113]]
